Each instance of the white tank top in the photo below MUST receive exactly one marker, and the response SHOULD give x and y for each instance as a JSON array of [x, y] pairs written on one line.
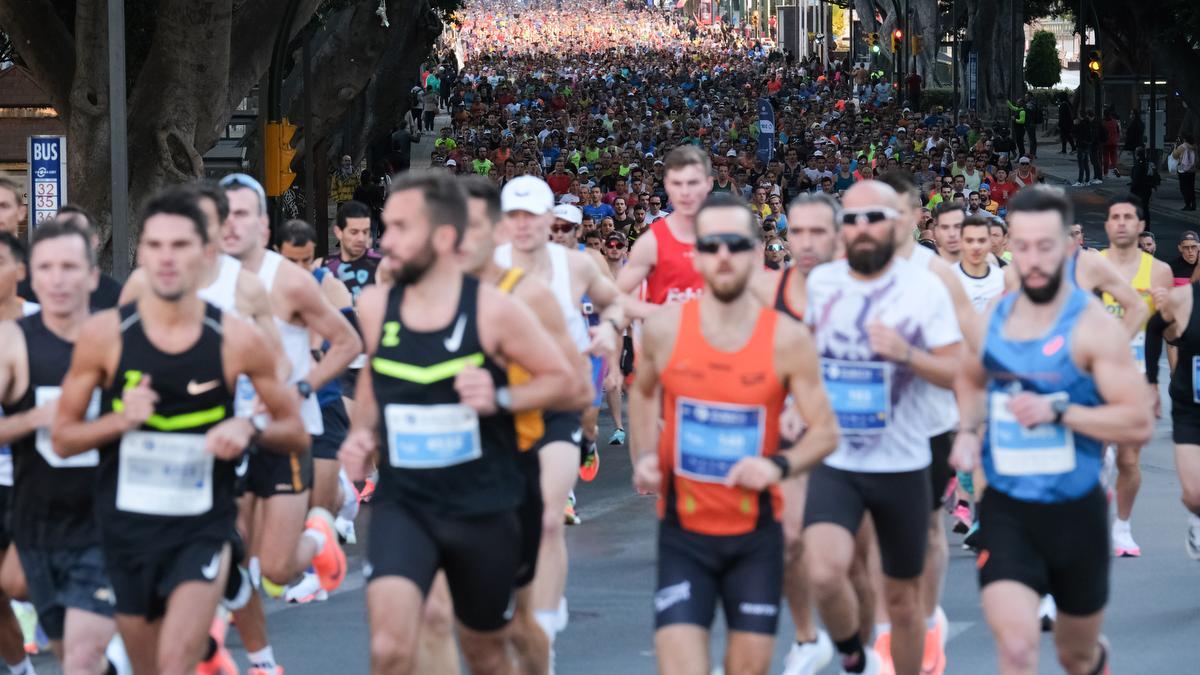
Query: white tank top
[[222, 292], [982, 289], [296, 346], [560, 285], [936, 406]]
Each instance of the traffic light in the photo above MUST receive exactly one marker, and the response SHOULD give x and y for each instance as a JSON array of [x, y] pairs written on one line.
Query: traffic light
[[897, 40], [277, 154], [1094, 66]]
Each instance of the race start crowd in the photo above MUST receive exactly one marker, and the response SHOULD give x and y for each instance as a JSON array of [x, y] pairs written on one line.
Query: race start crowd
[[823, 353]]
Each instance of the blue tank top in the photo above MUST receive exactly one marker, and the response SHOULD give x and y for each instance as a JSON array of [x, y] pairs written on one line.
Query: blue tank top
[[1048, 463], [332, 390]]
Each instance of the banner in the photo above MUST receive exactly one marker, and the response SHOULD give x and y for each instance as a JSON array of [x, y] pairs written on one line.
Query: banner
[[766, 130], [706, 11]]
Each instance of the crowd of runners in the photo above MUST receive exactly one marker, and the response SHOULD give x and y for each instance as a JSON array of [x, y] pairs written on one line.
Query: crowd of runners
[[834, 342]]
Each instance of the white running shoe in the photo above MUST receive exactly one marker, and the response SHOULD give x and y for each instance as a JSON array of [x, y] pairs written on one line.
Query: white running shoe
[[1096, 181], [345, 529], [1047, 613], [809, 658], [1076, 184], [1192, 541], [1122, 539], [307, 589]]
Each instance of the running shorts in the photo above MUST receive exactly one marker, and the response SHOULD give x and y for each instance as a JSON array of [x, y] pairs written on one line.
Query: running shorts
[[529, 516], [477, 553], [1185, 423], [272, 473], [898, 504], [1061, 549], [940, 472], [744, 571], [337, 424], [5, 526], [561, 427], [61, 578], [144, 580]]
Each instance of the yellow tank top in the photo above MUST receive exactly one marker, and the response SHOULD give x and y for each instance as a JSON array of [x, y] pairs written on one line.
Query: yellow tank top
[[530, 426], [1140, 283]]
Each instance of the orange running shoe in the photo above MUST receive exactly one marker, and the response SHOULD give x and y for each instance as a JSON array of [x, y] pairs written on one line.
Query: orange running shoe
[[933, 661], [366, 493], [591, 464], [883, 647], [330, 562], [263, 671], [222, 662]]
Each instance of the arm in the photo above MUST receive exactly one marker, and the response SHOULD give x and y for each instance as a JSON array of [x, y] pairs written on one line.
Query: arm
[[645, 399], [968, 320], [359, 449], [253, 303], [520, 339], [90, 364], [12, 357], [133, 287], [969, 389], [241, 348], [1125, 416], [641, 262], [327, 322], [796, 354]]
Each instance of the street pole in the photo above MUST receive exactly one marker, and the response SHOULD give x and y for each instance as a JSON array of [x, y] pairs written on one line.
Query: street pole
[[955, 63], [310, 164], [118, 136], [1153, 117]]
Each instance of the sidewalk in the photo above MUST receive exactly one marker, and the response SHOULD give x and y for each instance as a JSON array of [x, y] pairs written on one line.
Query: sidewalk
[[1062, 170]]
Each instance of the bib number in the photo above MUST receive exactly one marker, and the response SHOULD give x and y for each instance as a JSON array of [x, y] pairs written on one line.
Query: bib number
[[1019, 451], [711, 437], [1138, 347], [1196, 379], [91, 458], [164, 474], [431, 436], [860, 393]]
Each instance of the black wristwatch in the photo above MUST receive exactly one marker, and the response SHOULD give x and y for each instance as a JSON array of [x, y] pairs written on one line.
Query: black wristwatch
[[785, 467], [1059, 406], [304, 388]]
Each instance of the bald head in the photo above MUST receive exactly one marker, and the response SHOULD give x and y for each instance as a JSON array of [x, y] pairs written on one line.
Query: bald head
[[867, 193]]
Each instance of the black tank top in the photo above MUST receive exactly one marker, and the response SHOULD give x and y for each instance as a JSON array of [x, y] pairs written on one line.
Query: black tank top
[[52, 498], [1183, 383], [153, 485], [781, 303], [435, 457]]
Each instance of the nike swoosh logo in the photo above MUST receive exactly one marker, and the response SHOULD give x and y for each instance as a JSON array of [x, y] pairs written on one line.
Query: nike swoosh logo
[[577, 436], [454, 342], [212, 568], [195, 388]]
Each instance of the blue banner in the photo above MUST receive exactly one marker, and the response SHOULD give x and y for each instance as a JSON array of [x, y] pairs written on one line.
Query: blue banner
[[766, 130]]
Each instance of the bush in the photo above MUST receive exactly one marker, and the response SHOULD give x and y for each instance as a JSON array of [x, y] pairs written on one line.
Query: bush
[[1042, 67]]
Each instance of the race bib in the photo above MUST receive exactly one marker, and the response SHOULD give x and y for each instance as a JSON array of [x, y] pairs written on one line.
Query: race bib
[[711, 437], [860, 393], [1138, 347], [164, 474], [1195, 379], [1019, 451], [431, 436], [44, 395]]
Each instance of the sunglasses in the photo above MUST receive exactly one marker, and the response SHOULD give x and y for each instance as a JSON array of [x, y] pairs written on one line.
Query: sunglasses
[[775, 248], [562, 229], [615, 244], [736, 243], [872, 216]]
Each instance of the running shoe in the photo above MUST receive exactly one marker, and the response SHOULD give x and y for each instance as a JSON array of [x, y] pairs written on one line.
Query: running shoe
[[962, 518], [1047, 613], [618, 437], [1076, 184], [1096, 181], [569, 516], [874, 665], [974, 540], [591, 463], [265, 671], [368, 490], [307, 589], [1123, 544], [222, 662], [345, 530], [933, 660], [27, 618], [330, 561], [810, 657], [883, 655]]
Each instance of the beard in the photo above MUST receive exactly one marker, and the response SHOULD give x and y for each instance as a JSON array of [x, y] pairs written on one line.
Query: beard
[[728, 292], [411, 272], [1041, 296], [870, 261]]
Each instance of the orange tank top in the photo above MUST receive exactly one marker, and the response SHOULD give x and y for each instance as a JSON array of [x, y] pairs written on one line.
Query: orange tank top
[[530, 424], [717, 408]]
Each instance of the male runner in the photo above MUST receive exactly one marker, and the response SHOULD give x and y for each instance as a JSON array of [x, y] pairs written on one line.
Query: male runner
[[981, 279], [12, 211], [52, 499], [1143, 272], [285, 540], [449, 483], [721, 366], [883, 324], [355, 262], [167, 366], [1047, 373], [947, 231], [527, 203]]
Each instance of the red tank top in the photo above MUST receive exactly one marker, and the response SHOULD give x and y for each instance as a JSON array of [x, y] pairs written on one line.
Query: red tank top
[[673, 278], [718, 407]]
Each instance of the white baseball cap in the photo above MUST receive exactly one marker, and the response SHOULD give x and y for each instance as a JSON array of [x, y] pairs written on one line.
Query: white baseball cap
[[569, 213], [527, 193]]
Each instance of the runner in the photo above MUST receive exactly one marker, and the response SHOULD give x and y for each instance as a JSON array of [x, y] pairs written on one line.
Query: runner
[[450, 487], [717, 462], [355, 262], [285, 541], [882, 464], [616, 255], [982, 280], [947, 231], [1140, 269], [1049, 373], [527, 203], [52, 499], [166, 544]]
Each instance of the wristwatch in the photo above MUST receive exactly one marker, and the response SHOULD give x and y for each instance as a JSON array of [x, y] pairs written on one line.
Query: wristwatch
[[504, 399], [304, 388], [1059, 406], [785, 467]]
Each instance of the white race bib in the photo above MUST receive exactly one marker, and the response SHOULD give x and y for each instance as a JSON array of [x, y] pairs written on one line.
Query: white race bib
[[431, 436], [860, 393], [711, 437], [44, 395], [1017, 451], [164, 474]]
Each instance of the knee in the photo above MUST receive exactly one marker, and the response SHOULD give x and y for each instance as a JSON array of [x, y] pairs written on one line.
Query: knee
[[485, 656], [276, 571], [552, 524], [1078, 659], [83, 656], [793, 547], [826, 576], [902, 604], [1127, 459], [390, 655], [437, 618], [178, 656], [1017, 649]]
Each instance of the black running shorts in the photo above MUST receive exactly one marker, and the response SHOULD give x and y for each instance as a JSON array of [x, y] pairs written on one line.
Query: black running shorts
[[744, 571], [272, 473], [144, 581], [1185, 423], [940, 472], [564, 427], [480, 556], [529, 516], [898, 504], [337, 424], [5, 526], [1061, 549], [63, 578]]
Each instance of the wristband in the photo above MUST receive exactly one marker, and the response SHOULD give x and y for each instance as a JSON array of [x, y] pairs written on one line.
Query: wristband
[[785, 467]]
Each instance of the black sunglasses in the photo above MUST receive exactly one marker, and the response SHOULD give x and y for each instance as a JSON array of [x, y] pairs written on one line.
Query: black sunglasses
[[563, 229], [871, 215], [736, 243]]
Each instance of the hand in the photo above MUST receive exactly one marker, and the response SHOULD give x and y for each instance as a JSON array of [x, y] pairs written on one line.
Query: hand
[[791, 424], [889, 344], [1160, 296], [1157, 398], [647, 478], [139, 403], [228, 440], [42, 416], [476, 390], [753, 473], [964, 456], [356, 452], [605, 342], [1031, 409], [614, 379]]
